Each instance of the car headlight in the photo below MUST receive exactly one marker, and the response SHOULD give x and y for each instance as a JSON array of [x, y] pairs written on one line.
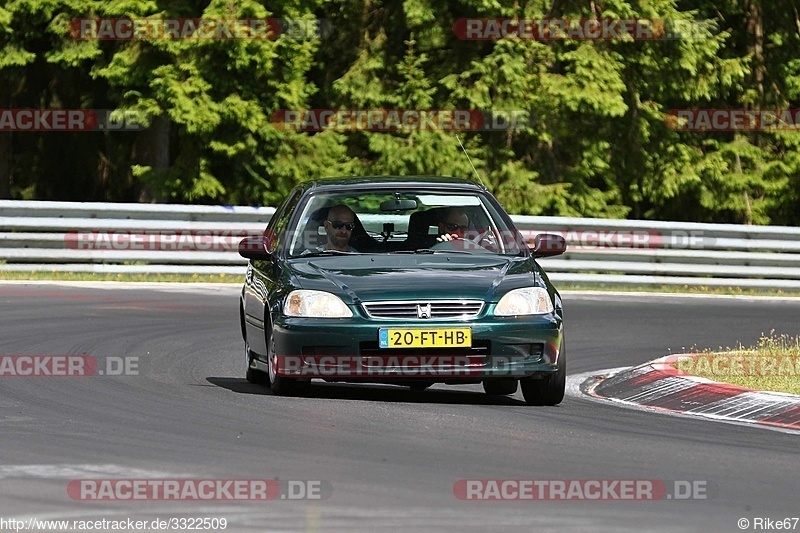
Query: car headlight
[[316, 304], [527, 301]]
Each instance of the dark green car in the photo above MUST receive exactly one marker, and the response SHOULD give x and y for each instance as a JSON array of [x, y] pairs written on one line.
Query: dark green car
[[409, 281]]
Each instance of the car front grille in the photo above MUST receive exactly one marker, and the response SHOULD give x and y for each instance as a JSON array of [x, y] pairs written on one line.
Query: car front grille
[[419, 309]]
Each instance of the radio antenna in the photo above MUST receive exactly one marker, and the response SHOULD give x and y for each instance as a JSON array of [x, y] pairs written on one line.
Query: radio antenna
[[470, 161]]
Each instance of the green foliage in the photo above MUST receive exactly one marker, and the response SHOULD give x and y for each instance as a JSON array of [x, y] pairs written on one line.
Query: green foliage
[[598, 142]]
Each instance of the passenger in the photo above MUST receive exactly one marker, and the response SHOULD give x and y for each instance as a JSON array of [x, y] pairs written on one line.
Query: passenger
[[453, 225]]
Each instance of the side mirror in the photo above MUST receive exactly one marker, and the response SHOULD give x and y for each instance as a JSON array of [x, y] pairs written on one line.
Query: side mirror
[[547, 245], [253, 248]]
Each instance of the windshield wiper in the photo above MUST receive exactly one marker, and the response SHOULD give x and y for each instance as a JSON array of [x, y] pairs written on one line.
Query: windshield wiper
[[451, 252], [325, 252], [429, 251], [419, 251]]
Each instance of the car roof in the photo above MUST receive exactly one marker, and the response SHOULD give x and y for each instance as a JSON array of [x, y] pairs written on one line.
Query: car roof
[[394, 182]]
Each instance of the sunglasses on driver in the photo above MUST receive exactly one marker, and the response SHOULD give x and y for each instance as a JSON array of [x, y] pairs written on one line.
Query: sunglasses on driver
[[338, 224], [455, 227]]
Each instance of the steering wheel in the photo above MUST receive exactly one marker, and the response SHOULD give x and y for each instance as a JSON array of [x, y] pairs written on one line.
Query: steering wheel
[[486, 239], [467, 245]]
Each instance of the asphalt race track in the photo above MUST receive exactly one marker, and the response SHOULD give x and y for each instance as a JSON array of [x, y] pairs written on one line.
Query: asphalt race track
[[391, 456]]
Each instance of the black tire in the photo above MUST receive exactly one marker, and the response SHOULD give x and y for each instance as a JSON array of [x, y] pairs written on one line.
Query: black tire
[[253, 375], [500, 387], [549, 390], [241, 322], [280, 385], [420, 386]]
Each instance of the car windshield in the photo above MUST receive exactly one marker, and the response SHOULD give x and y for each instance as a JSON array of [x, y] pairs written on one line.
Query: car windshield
[[405, 221]]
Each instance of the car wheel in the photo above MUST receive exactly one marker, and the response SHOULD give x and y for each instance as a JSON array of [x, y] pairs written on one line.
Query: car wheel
[[281, 385], [500, 387], [253, 375], [549, 390]]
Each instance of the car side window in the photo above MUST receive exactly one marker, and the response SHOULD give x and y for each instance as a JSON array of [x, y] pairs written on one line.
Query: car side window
[[275, 232]]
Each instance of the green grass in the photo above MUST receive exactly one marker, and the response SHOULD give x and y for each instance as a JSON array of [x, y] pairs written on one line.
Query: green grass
[[771, 365], [88, 276]]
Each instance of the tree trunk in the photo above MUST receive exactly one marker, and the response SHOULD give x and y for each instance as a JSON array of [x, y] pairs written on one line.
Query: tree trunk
[[5, 165], [755, 28], [152, 150], [5, 143]]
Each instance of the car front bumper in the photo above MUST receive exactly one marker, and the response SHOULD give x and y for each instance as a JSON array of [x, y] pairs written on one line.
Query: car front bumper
[[348, 350]]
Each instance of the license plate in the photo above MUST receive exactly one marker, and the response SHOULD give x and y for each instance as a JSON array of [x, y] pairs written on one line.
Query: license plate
[[425, 337]]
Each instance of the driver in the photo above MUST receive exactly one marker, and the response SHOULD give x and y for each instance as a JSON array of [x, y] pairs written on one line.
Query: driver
[[339, 227]]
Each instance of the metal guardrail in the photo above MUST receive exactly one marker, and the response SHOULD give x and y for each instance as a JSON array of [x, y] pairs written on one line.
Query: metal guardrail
[[159, 239], [152, 238]]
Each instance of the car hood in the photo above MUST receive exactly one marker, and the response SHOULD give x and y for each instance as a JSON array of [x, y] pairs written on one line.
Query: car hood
[[372, 277]]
